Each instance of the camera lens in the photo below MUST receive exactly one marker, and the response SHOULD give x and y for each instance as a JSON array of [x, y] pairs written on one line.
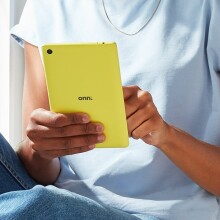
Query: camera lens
[[49, 51]]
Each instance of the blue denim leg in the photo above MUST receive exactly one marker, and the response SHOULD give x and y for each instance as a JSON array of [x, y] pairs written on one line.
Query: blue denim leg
[[51, 203], [13, 176], [45, 202]]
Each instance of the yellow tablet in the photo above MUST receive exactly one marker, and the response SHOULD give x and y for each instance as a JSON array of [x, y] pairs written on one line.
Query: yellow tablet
[[86, 78]]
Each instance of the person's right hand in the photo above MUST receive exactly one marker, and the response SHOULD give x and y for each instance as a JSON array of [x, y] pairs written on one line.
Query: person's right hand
[[53, 135]]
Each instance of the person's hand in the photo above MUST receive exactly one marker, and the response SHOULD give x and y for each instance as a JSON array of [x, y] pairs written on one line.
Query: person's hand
[[53, 135], [144, 121]]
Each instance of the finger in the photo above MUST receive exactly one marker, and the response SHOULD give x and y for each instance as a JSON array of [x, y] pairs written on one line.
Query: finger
[[40, 131], [143, 130], [129, 91], [67, 142], [70, 151], [138, 118], [131, 106], [52, 119], [140, 100]]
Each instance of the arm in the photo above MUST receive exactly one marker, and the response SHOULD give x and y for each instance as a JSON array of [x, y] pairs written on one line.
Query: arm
[[35, 96], [199, 160], [48, 135]]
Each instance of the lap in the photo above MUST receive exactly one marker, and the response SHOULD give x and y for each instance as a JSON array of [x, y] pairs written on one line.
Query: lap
[[53, 203], [21, 198]]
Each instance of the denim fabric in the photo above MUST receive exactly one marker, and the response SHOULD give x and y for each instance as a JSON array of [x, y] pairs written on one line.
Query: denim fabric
[[13, 176], [50, 203], [21, 198]]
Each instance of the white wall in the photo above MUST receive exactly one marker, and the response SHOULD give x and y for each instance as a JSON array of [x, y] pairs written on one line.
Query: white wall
[[11, 72], [4, 67], [16, 77]]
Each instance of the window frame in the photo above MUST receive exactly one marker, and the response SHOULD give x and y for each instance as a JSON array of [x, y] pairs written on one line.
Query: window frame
[[11, 72]]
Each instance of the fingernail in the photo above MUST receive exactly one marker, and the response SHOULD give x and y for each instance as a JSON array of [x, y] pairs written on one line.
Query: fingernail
[[91, 147], [85, 118], [99, 128], [101, 138]]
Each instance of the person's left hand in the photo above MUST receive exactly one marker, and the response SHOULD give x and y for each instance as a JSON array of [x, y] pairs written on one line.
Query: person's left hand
[[144, 121]]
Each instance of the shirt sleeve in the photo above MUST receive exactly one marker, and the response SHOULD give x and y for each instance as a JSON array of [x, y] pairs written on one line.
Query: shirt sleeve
[[213, 46], [26, 29], [212, 132]]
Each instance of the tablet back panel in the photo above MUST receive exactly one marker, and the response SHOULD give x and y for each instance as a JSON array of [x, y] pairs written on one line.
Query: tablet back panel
[[86, 78]]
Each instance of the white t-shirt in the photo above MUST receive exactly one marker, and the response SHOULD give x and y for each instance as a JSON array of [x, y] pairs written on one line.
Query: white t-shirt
[[176, 57]]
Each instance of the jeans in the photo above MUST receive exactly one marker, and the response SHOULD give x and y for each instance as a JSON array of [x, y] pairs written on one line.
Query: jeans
[[21, 197]]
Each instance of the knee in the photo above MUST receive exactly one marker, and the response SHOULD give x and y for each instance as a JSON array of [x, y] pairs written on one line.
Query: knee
[[50, 194], [44, 199], [41, 193]]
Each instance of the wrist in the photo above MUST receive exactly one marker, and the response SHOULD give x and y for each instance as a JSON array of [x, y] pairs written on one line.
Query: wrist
[[176, 138], [170, 137], [44, 171], [27, 154]]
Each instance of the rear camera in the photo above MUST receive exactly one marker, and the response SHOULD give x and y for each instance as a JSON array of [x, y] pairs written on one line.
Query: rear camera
[[49, 51]]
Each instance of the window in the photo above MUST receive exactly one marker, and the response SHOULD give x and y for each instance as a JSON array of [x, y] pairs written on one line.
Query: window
[[11, 72]]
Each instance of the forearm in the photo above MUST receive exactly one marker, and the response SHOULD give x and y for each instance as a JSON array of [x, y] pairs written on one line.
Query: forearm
[[199, 160], [44, 171]]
